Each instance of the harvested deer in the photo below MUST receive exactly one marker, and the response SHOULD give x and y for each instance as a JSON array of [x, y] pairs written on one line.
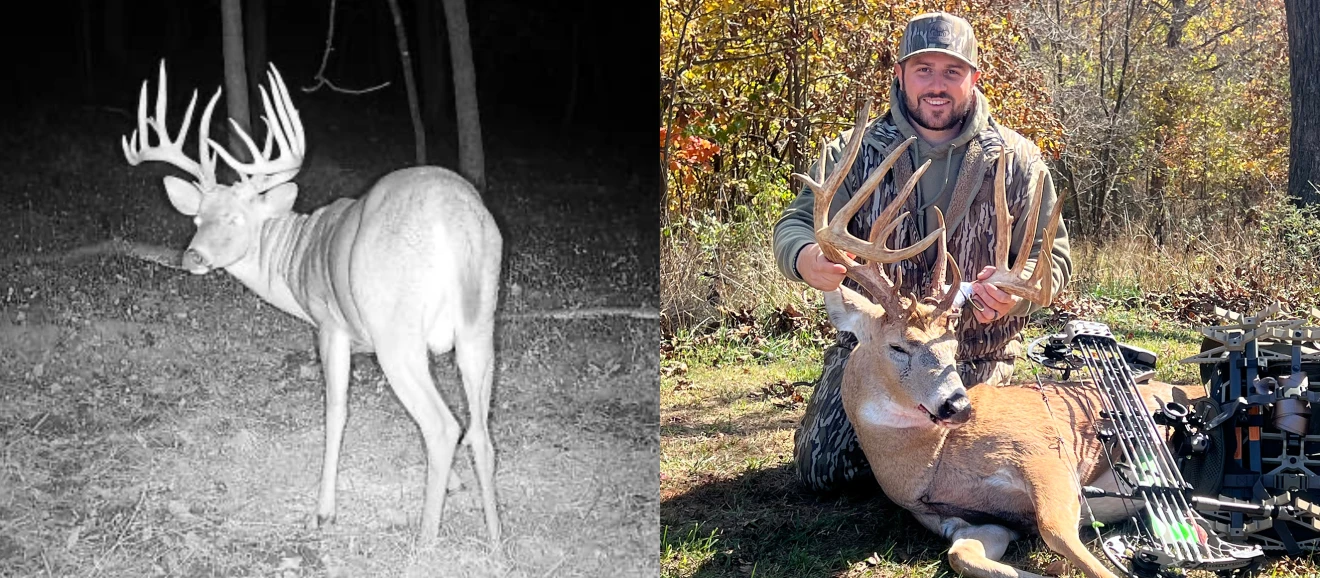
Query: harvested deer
[[410, 267], [979, 466]]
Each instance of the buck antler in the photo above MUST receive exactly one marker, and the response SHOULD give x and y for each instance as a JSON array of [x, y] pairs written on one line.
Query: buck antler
[[1038, 287], [838, 245], [283, 127], [171, 151]]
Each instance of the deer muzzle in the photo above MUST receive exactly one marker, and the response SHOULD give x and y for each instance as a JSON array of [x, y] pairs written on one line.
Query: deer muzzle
[[195, 262], [955, 410]]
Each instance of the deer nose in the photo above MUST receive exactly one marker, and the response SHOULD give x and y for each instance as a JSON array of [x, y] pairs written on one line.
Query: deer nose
[[955, 406], [194, 261]]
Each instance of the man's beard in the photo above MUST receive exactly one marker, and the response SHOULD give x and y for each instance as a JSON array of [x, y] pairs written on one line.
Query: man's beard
[[929, 123]]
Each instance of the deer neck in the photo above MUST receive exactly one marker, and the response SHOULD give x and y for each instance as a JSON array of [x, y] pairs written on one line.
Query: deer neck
[[288, 259], [911, 443]]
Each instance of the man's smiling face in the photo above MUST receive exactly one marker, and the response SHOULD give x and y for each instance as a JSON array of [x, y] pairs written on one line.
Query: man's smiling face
[[938, 89]]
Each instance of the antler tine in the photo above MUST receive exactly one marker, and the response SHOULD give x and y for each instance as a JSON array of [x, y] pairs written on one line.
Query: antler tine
[[283, 128], [207, 156], [1038, 287], [937, 277], [1033, 214], [946, 262], [824, 188], [1002, 218], [167, 150]]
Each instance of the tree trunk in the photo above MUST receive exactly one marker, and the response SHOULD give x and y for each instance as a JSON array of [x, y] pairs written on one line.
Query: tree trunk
[[471, 159], [231, 19], [432, 46], [254, 29], [1304, 139], [419, 131]]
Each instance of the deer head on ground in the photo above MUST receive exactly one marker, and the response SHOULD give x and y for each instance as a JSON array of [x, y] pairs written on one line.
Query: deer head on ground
[[411, 267]]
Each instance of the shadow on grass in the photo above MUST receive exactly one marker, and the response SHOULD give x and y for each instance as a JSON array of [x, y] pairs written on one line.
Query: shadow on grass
[[766, 525]]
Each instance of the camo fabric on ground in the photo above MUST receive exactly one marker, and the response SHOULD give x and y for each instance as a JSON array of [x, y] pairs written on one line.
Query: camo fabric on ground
[[825, 448]]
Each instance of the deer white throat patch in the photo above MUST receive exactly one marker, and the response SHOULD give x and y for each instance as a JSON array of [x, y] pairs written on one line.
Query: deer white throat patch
[[880, 410]]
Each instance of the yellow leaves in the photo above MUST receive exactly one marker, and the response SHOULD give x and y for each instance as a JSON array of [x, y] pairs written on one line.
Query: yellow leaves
[[775, 61]]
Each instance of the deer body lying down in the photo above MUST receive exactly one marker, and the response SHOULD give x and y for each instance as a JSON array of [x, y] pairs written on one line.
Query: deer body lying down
[[979, 466], [411, 267], [1011, 465]]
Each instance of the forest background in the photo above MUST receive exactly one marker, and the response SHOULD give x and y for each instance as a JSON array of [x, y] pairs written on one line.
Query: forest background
[[1166, 124]]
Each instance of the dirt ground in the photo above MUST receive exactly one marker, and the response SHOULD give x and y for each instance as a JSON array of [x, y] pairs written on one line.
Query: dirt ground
[[155, 423]]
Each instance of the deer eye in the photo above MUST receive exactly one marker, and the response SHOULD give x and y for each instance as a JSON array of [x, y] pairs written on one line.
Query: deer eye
[[899, 354]]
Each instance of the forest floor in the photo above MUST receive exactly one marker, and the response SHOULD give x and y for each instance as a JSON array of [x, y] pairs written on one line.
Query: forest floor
[[156, 423]]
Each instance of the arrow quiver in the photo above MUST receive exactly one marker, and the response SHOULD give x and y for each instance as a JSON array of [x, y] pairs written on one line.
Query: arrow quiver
[[1168, 534]]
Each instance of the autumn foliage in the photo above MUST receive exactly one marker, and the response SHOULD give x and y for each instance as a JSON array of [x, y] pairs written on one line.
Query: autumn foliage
[[1156, 114], [1165, 123]]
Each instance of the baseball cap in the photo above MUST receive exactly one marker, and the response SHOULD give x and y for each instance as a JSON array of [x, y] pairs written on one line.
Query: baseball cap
[[939, 32]]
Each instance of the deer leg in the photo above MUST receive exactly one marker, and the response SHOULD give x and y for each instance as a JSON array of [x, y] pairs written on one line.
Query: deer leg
[[335, 358], [409, 372], [976, 551], [1058, 510], [475, 354]]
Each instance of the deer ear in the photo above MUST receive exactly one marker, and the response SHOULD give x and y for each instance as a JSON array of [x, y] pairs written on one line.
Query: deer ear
[[279, 200], [848, 311], [185, 196]]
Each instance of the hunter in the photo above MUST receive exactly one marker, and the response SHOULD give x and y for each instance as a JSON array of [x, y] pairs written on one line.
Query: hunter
[[934, 98]]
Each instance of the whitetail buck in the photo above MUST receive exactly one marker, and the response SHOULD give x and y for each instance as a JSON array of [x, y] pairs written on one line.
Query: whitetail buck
[[410, 267], [979, 466]]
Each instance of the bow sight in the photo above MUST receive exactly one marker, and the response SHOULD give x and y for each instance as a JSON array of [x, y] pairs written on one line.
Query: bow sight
[[1236, 473]]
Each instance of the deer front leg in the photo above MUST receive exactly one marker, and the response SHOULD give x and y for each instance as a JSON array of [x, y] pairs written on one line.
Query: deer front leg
[[976, 550], [1058, 511], [335, 360]]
